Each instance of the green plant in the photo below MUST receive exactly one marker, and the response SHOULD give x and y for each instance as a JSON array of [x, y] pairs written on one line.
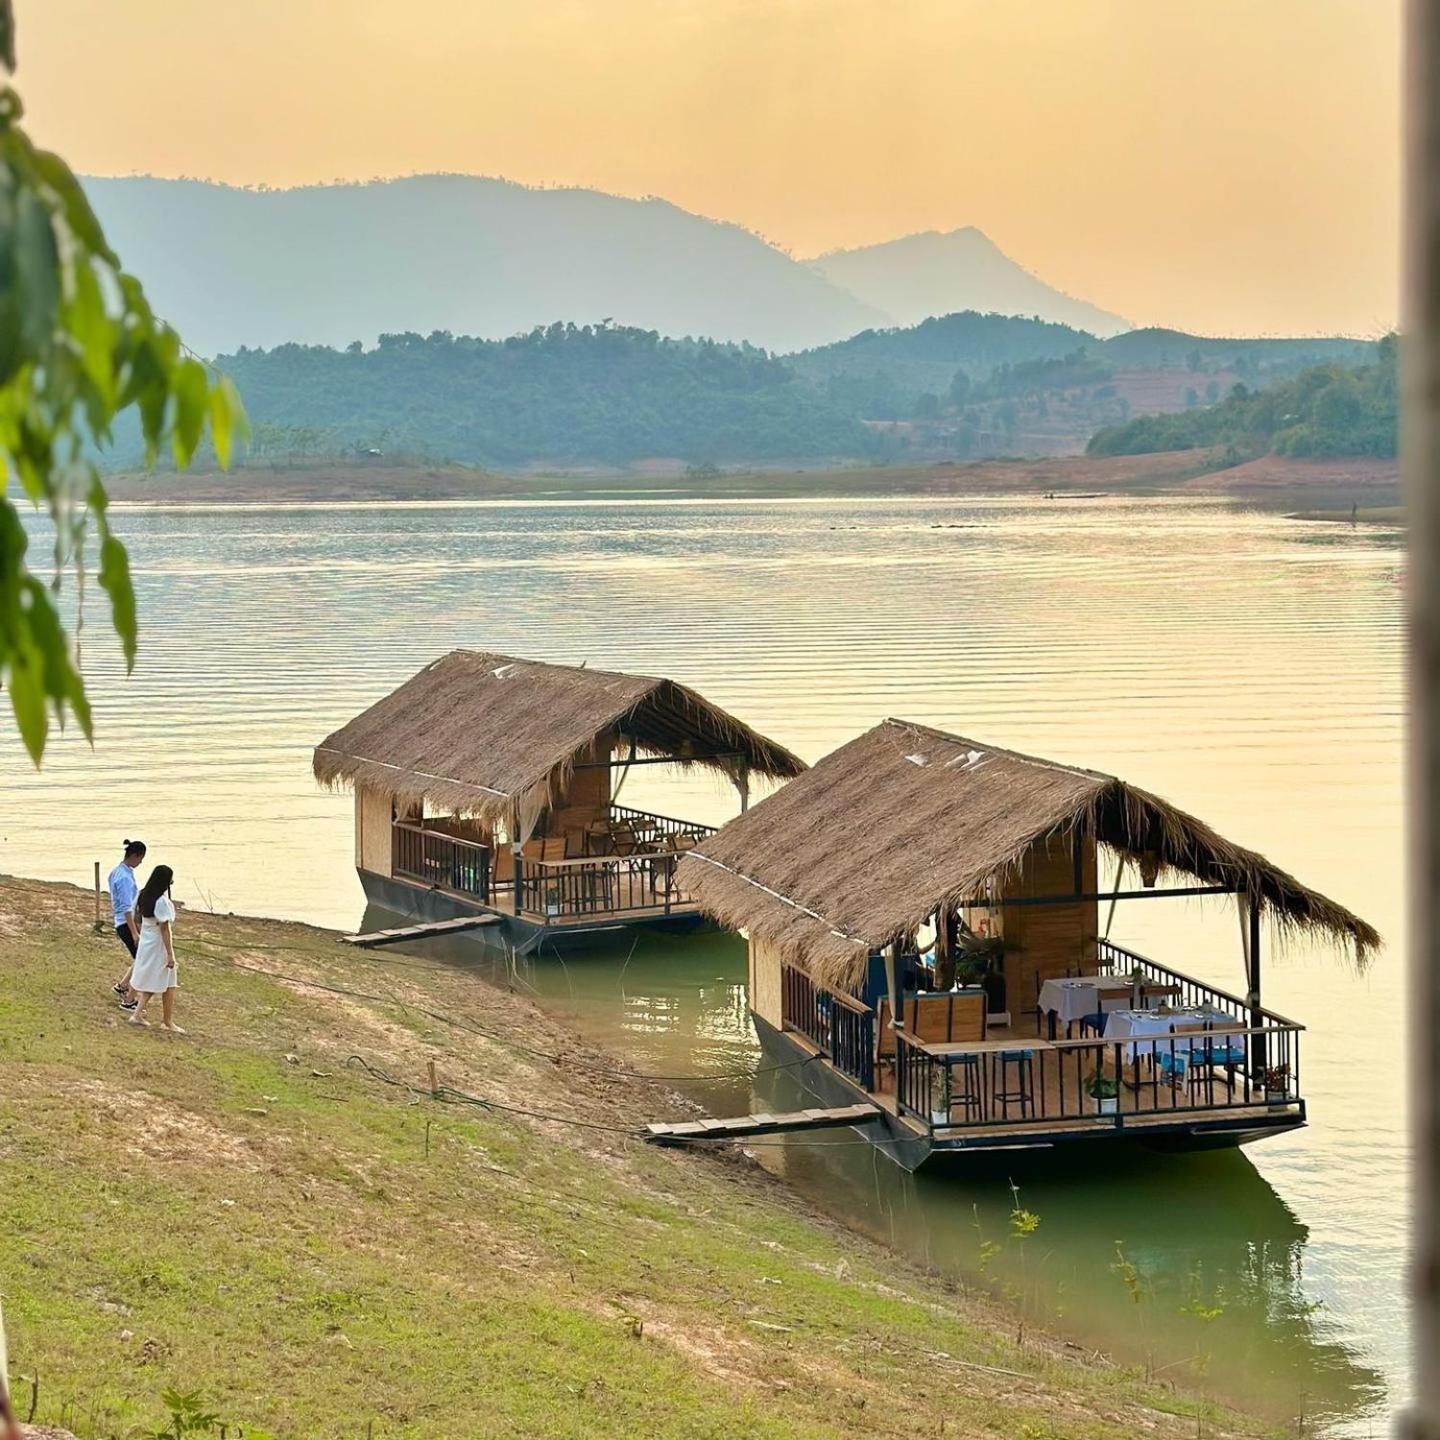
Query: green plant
[[1102, 1087], [78, 345], [189, 1416]]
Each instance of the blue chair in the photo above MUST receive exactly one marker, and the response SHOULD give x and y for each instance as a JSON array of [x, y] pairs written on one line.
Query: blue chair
[[1093, 1025], [1174, 1065]]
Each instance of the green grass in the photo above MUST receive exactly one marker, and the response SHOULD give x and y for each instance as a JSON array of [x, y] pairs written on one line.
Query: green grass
[[243, 1213]]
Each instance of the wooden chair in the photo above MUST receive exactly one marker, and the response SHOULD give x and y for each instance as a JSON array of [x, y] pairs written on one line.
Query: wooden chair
[[942, 1018]]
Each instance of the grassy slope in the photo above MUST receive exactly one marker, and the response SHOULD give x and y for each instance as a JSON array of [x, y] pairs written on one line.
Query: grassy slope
[[212, 1213]]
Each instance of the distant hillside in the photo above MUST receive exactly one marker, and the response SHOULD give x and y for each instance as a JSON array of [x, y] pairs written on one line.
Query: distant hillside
[[1322, 413], [331, 264], [1154, 348], [893, 368], [933, 274], [566, 395]]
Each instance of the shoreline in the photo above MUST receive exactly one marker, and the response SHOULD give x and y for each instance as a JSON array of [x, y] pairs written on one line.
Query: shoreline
[[703, 1268], [1073, 477]]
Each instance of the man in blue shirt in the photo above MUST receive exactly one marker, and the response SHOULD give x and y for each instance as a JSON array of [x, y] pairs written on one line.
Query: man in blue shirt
[[124, 890]]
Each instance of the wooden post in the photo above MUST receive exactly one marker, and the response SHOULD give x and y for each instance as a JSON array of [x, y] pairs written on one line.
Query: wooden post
[[1420, 461], [99, 924], [519, 869], [430, 1069], [1258, 1056], [742, 784]]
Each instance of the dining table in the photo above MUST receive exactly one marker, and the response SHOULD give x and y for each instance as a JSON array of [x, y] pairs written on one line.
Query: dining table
[[1144, 1032], [1068, 998]]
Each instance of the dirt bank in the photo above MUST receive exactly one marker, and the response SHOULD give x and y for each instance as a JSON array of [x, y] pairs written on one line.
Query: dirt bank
[[276, 1211]]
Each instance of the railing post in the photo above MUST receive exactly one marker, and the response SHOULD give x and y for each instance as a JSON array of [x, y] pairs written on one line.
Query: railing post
[[519, 877]]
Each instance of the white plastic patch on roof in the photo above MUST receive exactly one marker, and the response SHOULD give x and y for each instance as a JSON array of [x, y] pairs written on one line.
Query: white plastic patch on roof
[[918, 759], [501, 671], [968, 759]]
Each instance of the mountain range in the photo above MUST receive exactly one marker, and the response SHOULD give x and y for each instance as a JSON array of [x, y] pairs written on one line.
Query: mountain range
[[917, 276], [332, 264]]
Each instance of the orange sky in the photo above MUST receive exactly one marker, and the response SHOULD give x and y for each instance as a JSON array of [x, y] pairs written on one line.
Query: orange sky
[[1230, 166]]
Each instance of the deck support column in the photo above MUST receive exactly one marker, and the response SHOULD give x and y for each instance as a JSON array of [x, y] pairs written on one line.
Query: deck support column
[[742, 784], [892, 986], [1251, 901]]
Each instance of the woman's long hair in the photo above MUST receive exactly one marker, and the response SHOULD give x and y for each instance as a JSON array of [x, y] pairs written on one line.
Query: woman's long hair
[[161, 878]]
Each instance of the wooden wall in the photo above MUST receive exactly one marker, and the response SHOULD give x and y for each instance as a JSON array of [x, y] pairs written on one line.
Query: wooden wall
[[586, 799], [373, 814], [765, 993], [1046, 940]]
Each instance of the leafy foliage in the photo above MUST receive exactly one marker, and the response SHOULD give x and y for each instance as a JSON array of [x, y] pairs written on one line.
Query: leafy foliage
[[78, 344], [560, 394], [1323, 412]]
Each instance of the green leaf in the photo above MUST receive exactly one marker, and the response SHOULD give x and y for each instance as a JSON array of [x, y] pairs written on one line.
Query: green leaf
[[191, 387], [27, 699], [222, 415], [37, 274], [7, 34], [94, 334], [115, 581]]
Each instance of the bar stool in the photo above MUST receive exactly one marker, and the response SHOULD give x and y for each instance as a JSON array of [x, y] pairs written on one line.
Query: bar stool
[[1018, 1089], [965, 1088]]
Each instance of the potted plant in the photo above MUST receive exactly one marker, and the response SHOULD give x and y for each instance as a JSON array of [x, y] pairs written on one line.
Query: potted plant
[[940, 1098], [1104, 1090]]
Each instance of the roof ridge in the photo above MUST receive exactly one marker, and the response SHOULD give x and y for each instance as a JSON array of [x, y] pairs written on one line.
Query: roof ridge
[[1020, 755], [584, 668]]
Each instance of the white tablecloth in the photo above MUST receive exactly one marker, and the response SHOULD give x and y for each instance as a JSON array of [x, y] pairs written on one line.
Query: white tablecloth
[[1071, 998], [1137, 1025]]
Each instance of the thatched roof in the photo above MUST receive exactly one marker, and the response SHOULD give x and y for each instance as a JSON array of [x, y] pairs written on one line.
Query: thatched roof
[[865, 846], [477, 734]]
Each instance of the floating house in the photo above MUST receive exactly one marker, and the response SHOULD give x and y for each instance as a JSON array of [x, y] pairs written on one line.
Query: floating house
[[928, 928], [489, 785]]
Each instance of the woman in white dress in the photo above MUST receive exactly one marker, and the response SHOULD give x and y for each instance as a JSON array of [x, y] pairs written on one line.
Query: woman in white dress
[[154, 972]]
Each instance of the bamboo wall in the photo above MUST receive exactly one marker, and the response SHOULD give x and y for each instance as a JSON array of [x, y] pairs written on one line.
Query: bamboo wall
[[373, 815], [765, 992]]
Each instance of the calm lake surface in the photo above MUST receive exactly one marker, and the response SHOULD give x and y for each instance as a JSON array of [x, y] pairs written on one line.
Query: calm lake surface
[[1246, 666]]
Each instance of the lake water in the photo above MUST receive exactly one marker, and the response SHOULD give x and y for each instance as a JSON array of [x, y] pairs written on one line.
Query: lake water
[[1245, 666]]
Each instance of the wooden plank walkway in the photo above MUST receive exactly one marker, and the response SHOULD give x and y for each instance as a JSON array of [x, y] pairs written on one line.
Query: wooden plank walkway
[[421, 931], [762, 1124]]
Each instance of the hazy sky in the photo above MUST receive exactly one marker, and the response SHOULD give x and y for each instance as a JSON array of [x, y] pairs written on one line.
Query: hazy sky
[[1227, 166]]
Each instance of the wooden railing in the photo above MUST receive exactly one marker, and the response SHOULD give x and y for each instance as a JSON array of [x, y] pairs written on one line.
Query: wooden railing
[[441, 860], [615, 884], [651, 829], [1039, 1083], [839, 1025]]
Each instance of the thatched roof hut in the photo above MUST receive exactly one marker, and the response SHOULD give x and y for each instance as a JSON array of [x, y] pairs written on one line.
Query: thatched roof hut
[[865, 847], [489, 735]]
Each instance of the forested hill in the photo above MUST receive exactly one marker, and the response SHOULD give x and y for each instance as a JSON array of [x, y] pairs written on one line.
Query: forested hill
[[561, 395], [1324, 412]]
